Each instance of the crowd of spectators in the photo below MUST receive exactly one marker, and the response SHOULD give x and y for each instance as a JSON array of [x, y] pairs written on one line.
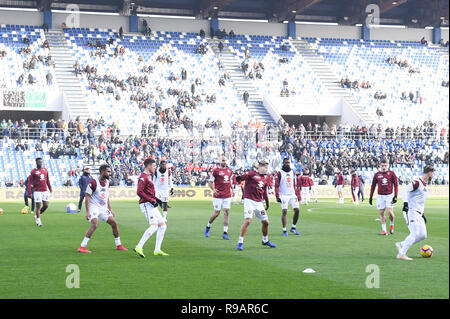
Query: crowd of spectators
[[255, 71], [220, 34], [404, 64], [31, 61], [201, 49], [412, 97], [320, 148], [343, 146], [346, 83], [379, 95]]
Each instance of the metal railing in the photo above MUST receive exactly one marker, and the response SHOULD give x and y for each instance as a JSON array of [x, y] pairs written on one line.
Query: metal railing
[[37, 133], [316, 135], [258, 136]]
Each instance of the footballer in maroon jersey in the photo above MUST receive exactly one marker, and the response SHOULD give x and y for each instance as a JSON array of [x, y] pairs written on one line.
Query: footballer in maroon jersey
[[387, 183], [355, 187], [220, 183], [148, 202], [255, 192], [40, 182], [304, 186], [340, 182]]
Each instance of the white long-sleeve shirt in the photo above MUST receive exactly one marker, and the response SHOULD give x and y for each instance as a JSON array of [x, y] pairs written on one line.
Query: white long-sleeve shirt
[[415, 194]]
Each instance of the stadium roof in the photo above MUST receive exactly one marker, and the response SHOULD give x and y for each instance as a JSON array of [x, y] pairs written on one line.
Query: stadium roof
[[413, 13]]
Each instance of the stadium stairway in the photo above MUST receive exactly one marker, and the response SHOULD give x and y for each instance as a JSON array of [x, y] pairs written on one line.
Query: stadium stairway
[[240, 82], [329, 78], [65, 76]]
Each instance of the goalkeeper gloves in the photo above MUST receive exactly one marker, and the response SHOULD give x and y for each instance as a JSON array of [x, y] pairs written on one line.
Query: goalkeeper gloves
[[267, 205], [278, 200], [405, 207], [394, 200], [154, 204], [171, 192]]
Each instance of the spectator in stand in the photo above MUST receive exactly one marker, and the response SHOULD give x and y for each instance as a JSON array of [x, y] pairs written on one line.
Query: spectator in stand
[[423, 41], [246, 96], [121, 33], [49, 78]]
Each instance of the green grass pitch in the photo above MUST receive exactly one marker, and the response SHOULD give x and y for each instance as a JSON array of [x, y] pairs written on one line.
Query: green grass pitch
[[337, 241]]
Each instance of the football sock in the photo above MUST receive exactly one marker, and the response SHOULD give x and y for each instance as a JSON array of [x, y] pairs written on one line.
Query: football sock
[[160, 237], [84, 242], [392, 223], [241, 240], [265, 239], [147, 234], [284, 228], [117, 240], [383, 227], [208, 225], [293, 226], [225, 229]]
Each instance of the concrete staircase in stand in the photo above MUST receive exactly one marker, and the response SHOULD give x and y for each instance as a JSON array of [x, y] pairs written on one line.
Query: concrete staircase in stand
[[66, 79], [240, 82]]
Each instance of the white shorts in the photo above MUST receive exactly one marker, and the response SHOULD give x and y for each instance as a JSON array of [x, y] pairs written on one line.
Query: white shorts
[[102, 214], [221, 203], [251, 207], [339, 188], [163, 196], [415, 223], [384, 201], [40, 197], [287, 200], [152, 214]]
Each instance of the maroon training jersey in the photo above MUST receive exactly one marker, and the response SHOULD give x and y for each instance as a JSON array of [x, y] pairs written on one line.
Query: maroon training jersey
[[146, 189], [386, 183], [355, 181], [222, 182], [303, 181], [255, 186], [340, 179], [39, 180]]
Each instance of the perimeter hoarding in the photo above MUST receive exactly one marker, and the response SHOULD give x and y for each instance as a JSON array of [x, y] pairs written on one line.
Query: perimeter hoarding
[[181, 193]]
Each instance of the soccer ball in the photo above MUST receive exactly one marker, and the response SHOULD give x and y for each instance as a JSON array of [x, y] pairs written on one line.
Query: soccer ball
[[1, 211], [24, 210], [426, 251]]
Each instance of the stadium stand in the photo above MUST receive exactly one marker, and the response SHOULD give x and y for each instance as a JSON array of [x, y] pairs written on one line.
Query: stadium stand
[[360, 60], [20, 60], [65, 151], [181, 48], [143, 104]]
